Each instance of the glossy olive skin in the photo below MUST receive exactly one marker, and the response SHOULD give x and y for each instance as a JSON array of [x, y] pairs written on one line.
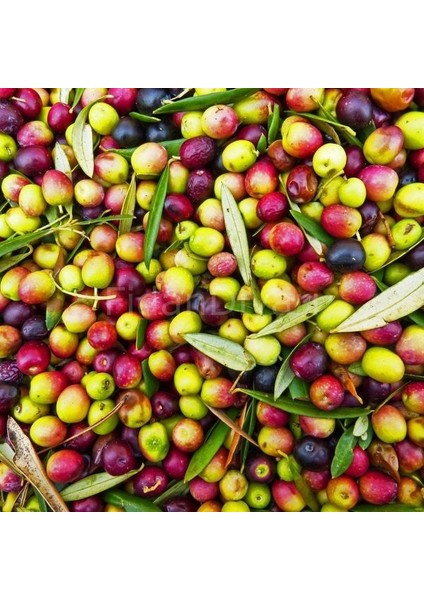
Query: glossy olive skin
[[345, 256], [313, 453]]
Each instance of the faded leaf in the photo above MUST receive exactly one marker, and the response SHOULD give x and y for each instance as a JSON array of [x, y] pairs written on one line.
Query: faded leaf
[[225, 352], [127, 208], [223, 416], [236, 437], [94, 484], [360, 426], [394, 303], [236, 231], [177, 489], [11, 261], [384, 457], [205, 101], [61, 162]]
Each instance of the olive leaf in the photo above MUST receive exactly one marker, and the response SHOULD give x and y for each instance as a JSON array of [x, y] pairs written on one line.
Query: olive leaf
[[394, 303], [356, 369], [28, 462], [223, 416], [384, 457], [78, 94], [236, 437], [171, 146], [387, 508], [129, 502], [61, 162], [314, 243], [347, 132], [140, 333], [205, 100], [366, 438], [298, 388], [144, 118], [21, 241], [294, 317], [305, 407], [155, 215], [127, 208], [245, 306], [262, 144], [250, 421], [306, 492], [312, 227], [202, 457], [360, 426], [82, 139], [11, 261], [285, 375], [236, 231], [274, 125], [225, 352], [151, 384], [343, 454], [94, 484], [177, 489], [64, 95]]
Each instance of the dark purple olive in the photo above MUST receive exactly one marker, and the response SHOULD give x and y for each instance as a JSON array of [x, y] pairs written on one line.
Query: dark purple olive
[[148, 99], [197, 152], [345, 256], [34, 328], [4, 170], [11, 120], [118, 457], [180, 504], [264, 377], [260, 468], [200, 185], [130, 436], [159, 132], [251, 133], [91, 504], [84, 441], [415, 257], [92, 212], [212, 310], [373, 391], [178, 207], [164, 404], [129, 280], [9, 394], [182, 354], [176, 462], [33, 160], [207, 421], [103, 361], [309, 361], [369, 214], [16, 313], [419, 97], [151, 482], [129, 133], [350, 401], [407, 176], [312, 453], [355, 161], [9, 372], [354, 109]]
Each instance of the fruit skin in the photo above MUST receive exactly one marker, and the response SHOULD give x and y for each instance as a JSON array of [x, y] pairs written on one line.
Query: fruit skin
[[287, 497], [383, 365], [377, 488], [411, 124], [389, 424], [65, 466], [343, 492], [153, 442]]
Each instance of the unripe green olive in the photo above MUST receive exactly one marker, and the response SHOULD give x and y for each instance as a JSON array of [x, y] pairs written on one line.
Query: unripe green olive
[[333, 315], [97, 411], [412, 125], [377, 250], [406, 233], [234, 330], [206, 241], [186, 321], [265, 350], [149, 274], [187, 380], [191, 124], [103, 118], [255, 323], [409, 200], [383, 365], [196, 265], [238, 156], [225, 288], [192, 407], [267, 264], [247, 207]]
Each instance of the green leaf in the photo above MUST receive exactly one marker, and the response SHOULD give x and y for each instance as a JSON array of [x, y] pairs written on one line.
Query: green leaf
[[356, 369], [205, 101], [20, 241], [417, 317], [177, 489], [127, 208], [394, 303], [236, 232], [209, 448], [141, 332], [262, 144], [343, 454], [82, 139], [144, 118], [366, 439], [285, 375], [61, 161], [298, 388], [307, 493], [151, 384], [274, 125], [347, 132], [94, 484], [225, 352], [312, 227], [155, 215], [245, 306], [306, 408], [294, 317], [78, 94], [44, 507], [11, 261], [171, 146], [129, 502], [387, 508], [250, 420]]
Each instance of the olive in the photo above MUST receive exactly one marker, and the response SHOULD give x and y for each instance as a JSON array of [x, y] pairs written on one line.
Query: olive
[[159, 132], [407, 177], [345, 256], [264, 377], [312, 453], [34, 328], [369, 214], [415, 258], [148, 99], [244, 381], [128, 133], [180, 504]]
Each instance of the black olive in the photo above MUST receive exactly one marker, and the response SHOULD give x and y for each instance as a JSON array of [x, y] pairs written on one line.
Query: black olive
[[150, 98], [312, 453], [159, 132], [128, 133], [264, 378], [345, 256]]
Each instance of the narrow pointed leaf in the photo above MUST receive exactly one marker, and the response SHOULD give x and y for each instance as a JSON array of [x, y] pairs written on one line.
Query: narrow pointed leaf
[[144, 118], [171, 146], [209, 448], [155, 215], [28, 462], [250, 421], [274, 125], [78, 94], [236, 438], [312, 227], [41, 502], [225, 352], [11, 261], [129, 502], [245, 306], [94, 484], [236, 231], [82, 140], [306, 492], [177, 489], [141, 332], [205, 101], [298, 388], [285, 375], [394, 303], [397, 254], [223, 416], [387, 508], [262, 144], [343, 454], [127, 208], [151, 384], [64, 95], [54, 309], [61, 161], [21, 241], [294, 317], [305, 407], [347, 132]]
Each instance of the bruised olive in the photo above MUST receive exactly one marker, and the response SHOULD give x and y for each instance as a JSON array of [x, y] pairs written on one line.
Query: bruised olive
[[369, 214], [128, 133], [345, 256], [312, 453]]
